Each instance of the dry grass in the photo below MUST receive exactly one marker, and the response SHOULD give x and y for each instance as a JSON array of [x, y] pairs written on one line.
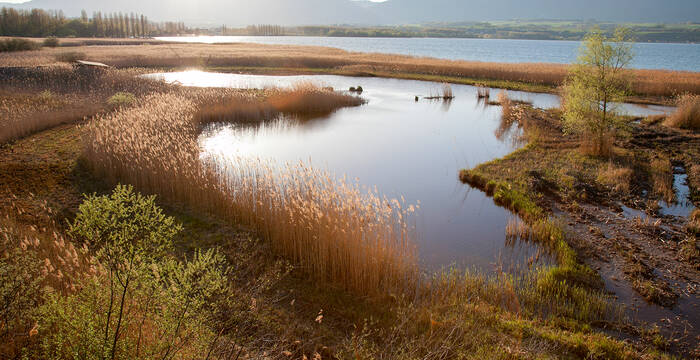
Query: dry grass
[[661, 171], [32, 100], [304, 100], [598, 145], [617, 178], [483, 92], [63, 265], [646, 82], [687, 116], [694, 221], [358, 240], [514, 122], [445, 93]]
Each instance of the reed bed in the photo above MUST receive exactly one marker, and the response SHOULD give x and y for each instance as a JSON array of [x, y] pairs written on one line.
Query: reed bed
[[687, 115], [36, 99], [338, 233], [62, 265], [646, 82]]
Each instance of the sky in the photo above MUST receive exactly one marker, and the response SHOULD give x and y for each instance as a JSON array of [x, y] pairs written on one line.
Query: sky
[[390, 12]]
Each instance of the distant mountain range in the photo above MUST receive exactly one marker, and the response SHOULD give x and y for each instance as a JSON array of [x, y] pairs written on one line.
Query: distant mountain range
[[365, 12]]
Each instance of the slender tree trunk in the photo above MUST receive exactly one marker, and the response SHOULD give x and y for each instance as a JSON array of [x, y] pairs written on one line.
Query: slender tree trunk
[[121, 313], [109, 312], [177, 329]]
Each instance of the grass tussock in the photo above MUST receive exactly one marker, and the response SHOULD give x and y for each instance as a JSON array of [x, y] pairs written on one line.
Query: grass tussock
[[694, 222], [617, 178], [482, 92], [602, 145], [661, 171], [687, 115], [359, 240], [445, 93]]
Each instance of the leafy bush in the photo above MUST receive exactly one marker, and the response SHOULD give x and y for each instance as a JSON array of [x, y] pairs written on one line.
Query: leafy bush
[[8, 45], [121, 99], [51, 41], [143, 303]]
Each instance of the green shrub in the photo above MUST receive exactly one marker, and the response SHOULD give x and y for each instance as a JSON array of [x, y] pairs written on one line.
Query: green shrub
[[8, 45], [51, 41], [143, 303], [121, 99]]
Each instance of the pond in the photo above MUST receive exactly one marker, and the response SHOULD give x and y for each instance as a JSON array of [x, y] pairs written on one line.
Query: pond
[[406, 148]]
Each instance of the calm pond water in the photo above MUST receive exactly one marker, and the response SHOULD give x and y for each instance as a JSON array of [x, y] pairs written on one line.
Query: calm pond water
[[403, 147], [647, 55]]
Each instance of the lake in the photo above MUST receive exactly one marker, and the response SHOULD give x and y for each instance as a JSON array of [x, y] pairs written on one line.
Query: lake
[[406, 148], [647, 55]]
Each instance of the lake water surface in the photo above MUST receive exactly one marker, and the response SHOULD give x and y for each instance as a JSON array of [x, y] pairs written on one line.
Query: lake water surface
[[404, 147], [647, 55]]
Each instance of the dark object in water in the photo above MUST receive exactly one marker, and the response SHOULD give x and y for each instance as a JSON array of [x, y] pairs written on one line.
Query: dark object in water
[[416, 97], [358, 89]]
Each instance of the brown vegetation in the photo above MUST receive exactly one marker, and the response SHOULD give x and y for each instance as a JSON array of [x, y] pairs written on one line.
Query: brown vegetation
[[687, 115], [617, 178], [360, 241], [36, 99], [662, 177], [296, 58]]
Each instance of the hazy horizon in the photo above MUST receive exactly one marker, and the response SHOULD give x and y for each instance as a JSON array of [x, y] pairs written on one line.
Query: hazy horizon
[[376, 12]]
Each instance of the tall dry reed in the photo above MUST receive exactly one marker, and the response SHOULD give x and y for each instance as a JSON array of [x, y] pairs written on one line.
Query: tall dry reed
[[338, 233], [35, 99], [687, 115]]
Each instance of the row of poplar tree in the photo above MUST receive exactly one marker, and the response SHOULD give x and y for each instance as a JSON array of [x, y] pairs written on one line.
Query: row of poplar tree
[[42, 23]]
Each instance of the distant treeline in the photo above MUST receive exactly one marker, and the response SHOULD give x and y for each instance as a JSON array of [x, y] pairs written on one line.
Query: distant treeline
[[43, 23], [536, 30]]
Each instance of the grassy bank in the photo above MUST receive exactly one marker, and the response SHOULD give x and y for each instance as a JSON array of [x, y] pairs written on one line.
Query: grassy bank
[[553, 178], [278, 307]]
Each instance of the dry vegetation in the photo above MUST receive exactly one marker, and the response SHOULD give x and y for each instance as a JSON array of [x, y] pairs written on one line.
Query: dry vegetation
[[617, 178], [36, 99], [533, 76], [360, 241], [687, 116], [661, 171], [336, 233]]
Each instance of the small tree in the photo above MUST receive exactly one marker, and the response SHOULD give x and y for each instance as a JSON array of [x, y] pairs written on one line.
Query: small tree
[[128, 232], [143, 303], [596, 84]]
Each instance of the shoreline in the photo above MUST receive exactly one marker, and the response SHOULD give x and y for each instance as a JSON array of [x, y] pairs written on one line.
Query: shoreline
[[649, 87]]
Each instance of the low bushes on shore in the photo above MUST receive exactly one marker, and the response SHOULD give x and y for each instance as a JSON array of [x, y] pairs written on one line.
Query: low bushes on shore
[[11, 45]]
